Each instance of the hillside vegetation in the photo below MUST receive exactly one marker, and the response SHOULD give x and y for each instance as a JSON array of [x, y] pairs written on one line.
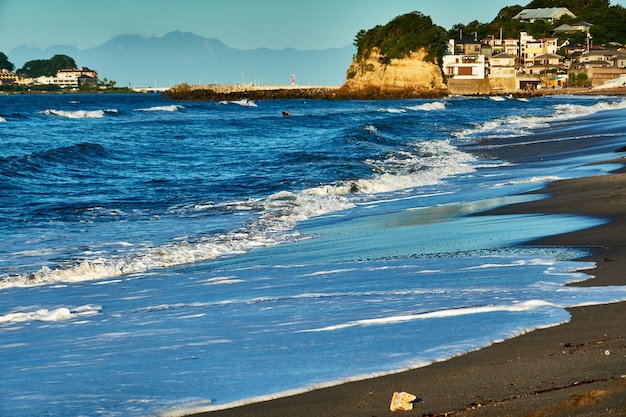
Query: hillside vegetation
[[405, 33], [609, 22], [47, 67]]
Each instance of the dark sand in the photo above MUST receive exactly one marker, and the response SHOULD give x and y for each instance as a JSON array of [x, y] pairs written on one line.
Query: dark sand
[[576, 369]]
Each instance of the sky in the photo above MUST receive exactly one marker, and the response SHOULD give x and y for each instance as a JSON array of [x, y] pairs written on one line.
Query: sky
[[241, 24]]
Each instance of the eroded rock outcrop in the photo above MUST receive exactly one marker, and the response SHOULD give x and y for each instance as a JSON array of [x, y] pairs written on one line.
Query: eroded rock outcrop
[[411, 76]]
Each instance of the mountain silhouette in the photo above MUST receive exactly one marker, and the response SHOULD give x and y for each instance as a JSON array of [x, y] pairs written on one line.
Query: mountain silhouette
[[177, 57]]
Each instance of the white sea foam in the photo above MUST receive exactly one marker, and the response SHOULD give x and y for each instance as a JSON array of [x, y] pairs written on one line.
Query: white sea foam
[[517, 125], [75, 114], [523, 306], [371, 129], [243, 102], [532, 180], [170, 108], [58, 314], [509, 126], [570, 111], [2, 119], [429, 163], [274, 226], [392, 110], [436, 105]]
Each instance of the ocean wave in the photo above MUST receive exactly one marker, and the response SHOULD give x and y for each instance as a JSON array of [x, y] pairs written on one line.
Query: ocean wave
[[78, 114], [522, 125], [521, 306], [510, 126], [170, 108], [280, 213], [2, 119], [66, 154], [392, 110], [39, 165], [436, 105], [571, 111], [242, 102], [45, 315], [532, 180]]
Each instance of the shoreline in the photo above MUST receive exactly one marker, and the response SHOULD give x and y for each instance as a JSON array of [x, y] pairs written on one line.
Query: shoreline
[[234, 92], [574, 369]]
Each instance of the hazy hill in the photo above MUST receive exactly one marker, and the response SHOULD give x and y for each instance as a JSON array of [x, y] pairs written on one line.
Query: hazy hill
[[184, 57]]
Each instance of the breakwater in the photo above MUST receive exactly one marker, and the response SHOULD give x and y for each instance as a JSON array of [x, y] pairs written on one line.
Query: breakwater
[[217, 92]]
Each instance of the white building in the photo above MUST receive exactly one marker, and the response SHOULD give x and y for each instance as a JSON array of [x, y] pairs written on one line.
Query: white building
[[70, 77], [464, 67], [502, 66]]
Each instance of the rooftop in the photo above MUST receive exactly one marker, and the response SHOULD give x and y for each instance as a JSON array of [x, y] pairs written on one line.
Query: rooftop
[[542, 13]]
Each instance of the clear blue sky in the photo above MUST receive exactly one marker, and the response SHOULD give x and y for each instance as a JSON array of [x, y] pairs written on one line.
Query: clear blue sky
[[243, 24]]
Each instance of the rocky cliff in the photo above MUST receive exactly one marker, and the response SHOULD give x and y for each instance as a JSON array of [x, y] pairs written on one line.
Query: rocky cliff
[[411, 76]]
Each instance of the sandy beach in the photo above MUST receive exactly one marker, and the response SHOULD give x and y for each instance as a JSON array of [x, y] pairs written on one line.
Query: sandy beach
[[575, 369]]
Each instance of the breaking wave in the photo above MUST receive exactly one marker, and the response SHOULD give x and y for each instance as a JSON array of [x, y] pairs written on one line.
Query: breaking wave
[[170, 108], [75, 114], [517, 125], [43, 314], [436, 105], [426, 163]]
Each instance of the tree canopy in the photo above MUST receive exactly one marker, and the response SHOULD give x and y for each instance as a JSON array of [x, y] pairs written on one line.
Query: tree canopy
[[5, 63], [47, 67], [405, 33]]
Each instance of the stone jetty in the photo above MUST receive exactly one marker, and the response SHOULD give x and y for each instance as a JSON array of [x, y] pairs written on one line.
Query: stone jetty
[[218, 92]]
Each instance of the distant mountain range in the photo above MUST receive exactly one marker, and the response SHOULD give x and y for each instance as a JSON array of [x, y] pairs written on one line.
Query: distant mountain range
[[132, 60]]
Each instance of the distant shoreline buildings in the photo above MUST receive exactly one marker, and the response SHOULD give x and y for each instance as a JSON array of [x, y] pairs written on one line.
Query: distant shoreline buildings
[[64, 78], [509, 65]]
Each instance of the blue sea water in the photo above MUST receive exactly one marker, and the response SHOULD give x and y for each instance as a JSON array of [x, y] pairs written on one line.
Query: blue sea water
[[163, 257]]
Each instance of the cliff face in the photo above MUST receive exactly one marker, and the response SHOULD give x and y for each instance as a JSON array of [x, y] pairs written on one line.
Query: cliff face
[[409, 76]]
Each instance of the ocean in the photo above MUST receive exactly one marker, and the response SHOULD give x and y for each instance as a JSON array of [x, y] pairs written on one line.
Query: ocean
[[160, 258]]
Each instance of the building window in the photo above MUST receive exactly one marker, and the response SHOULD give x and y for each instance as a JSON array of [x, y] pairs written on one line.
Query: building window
[[466, 70]]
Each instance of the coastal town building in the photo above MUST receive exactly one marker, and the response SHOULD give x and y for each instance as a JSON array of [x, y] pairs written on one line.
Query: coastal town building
[[502, 45], [70, 78], [573, 28], [531, 48], [464, 66], [8, 78], [600, 57], [526, 63], [545, 14]]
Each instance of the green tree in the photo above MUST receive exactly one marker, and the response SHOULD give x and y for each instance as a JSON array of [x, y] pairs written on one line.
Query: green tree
[[404, 34], [47, 67], [5, 63]]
